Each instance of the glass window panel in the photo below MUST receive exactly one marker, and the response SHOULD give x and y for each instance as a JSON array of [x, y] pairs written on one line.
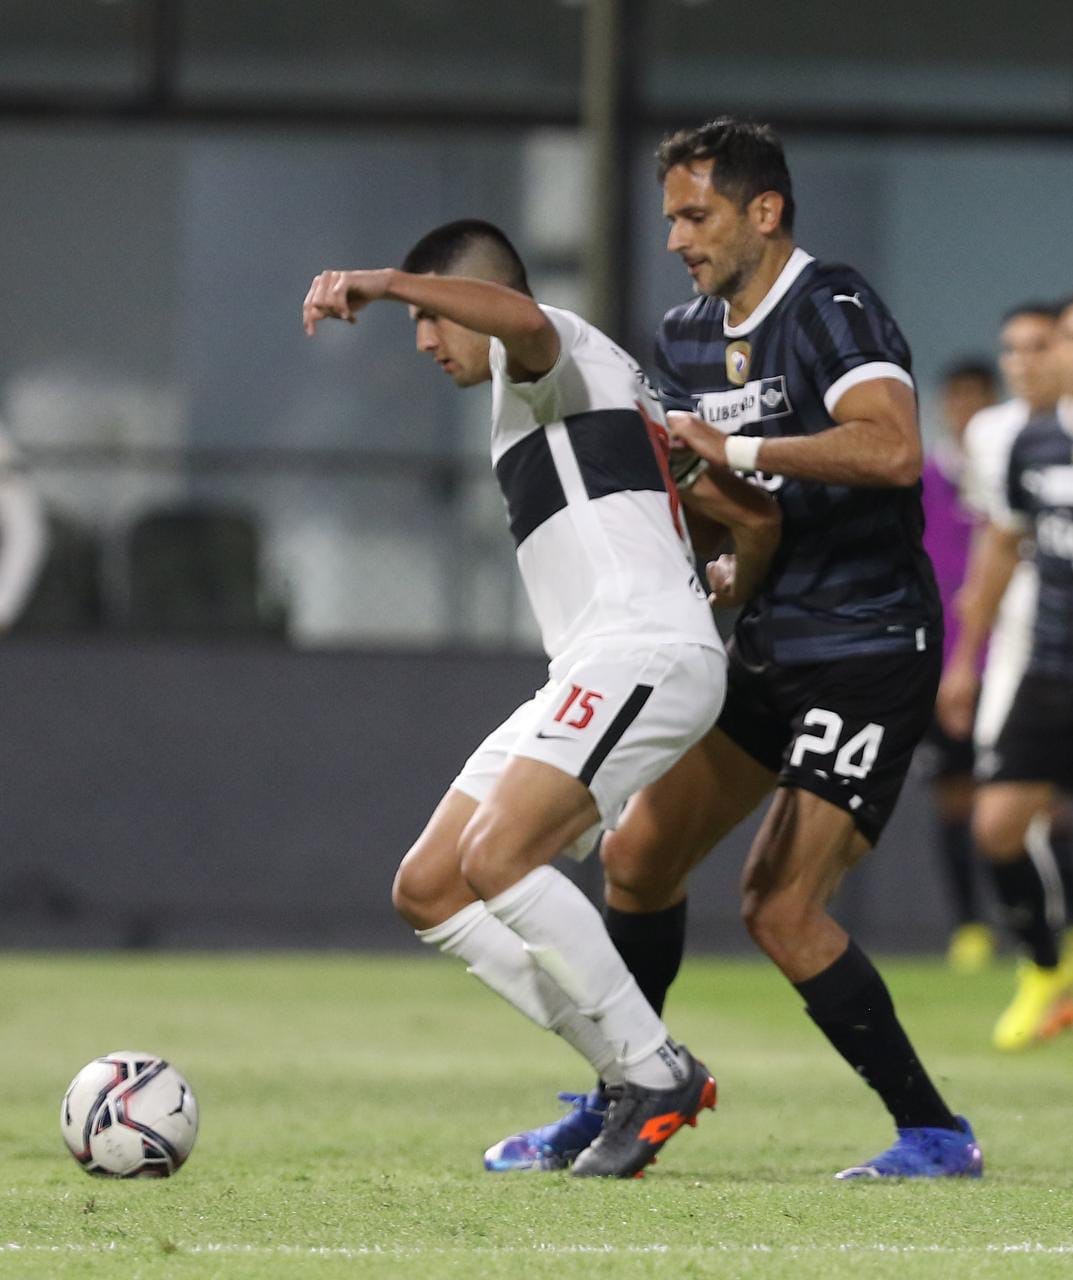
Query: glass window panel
[[188, 252], [68, 45], [481, 52], [991, 58]]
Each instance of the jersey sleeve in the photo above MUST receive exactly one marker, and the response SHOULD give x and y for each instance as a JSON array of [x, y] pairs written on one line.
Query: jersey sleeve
[[669, 384], [986, 445], [1011, 508], [542, 394], [846, 336], [686, 466]]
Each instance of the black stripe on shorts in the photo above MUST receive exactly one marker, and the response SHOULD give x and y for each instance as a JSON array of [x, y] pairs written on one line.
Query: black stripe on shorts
[[628, 713]]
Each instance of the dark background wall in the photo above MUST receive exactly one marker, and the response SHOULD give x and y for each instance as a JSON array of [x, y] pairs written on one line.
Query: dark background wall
[[187, 795]]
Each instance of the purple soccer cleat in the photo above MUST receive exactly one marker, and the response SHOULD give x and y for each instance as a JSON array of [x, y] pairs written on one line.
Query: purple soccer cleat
[[556, 1145]]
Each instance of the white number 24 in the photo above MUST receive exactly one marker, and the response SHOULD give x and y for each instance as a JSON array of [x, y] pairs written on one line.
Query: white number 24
[[855, 757]]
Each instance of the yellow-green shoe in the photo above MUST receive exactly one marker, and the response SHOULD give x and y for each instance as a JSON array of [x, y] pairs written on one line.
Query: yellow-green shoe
[[971, 948], [1042, 1007]]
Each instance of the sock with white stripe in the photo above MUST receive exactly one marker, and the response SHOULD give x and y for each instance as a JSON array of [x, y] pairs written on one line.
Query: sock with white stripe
[[497, 956], [1044, 845], [564, 934], [1023, 897]]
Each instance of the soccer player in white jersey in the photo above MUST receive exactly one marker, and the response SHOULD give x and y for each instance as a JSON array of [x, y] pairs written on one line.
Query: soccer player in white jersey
[[1024, 347], [1026, 873], [637, 671]]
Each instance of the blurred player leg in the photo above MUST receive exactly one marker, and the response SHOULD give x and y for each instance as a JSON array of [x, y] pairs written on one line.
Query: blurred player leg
[[1006, 824], [972, 943]]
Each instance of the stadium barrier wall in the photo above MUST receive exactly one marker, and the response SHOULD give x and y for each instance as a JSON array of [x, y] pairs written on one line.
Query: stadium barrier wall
[[193, 795]]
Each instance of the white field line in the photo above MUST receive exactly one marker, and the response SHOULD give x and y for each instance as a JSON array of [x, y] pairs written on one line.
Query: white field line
[[610, 1250]]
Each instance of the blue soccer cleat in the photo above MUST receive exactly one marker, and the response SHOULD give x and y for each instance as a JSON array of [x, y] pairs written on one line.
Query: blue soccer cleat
[[925, 1153], [555, 1145]]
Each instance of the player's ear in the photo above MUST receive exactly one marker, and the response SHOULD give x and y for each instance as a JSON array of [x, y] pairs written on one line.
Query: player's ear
[[765, 212]]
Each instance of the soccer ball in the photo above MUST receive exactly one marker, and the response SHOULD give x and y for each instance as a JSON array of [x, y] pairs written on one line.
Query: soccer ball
[[129, 1115]]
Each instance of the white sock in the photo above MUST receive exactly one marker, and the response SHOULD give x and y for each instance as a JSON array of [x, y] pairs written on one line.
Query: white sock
[[498, 956], [565, 935]]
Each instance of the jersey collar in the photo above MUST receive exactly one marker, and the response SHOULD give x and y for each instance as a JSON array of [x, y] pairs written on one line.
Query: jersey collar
[[795, 264]]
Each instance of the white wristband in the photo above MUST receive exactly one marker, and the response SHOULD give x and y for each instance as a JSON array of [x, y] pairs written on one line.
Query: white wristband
[[742, 451]]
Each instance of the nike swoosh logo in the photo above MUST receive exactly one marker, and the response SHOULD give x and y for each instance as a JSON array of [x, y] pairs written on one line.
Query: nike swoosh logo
[[855, 298], [557, 737]]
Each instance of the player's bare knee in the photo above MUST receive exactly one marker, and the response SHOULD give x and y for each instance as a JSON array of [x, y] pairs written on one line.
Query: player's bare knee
[[421, 894], [409, 898], [998, 836], [485, 859], [776, 921], [636, 873]]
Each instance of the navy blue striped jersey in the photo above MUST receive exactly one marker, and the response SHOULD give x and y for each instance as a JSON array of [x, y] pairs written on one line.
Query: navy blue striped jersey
[[1040, 492], [851, 576]]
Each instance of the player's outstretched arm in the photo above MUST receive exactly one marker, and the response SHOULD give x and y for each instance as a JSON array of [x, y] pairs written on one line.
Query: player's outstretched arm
[[875, 442], [530, 338], [995, 554], [754, 522]]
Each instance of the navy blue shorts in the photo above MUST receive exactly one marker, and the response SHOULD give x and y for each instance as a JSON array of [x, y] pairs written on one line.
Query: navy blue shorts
[[845, 730]]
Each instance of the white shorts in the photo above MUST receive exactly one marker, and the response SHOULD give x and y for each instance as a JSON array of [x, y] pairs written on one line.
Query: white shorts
[[1007, 655], [614, 717]]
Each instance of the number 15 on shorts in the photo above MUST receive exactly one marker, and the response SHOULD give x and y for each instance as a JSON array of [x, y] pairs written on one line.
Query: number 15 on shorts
[[581, 702]]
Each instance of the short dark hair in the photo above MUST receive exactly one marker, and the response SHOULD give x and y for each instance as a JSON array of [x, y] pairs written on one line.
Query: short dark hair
[[1051, 310], [441, 249], [748, 157], [974, 368]]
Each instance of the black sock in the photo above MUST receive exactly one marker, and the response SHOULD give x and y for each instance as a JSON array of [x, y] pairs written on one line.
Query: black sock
[[959, 863], [1024, 903], [652, 944], [851, 1005]]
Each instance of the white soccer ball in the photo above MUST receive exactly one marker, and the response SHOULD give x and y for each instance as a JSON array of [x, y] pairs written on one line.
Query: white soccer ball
[[129, 1115]]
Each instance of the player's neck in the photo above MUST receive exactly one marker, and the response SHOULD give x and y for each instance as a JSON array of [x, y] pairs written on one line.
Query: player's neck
[[1041, 404], [741, 305]]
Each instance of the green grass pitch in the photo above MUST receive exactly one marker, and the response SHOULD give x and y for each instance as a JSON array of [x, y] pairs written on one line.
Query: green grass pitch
[[346, 1102]]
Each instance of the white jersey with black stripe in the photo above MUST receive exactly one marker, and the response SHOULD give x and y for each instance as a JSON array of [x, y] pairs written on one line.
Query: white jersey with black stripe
[[581, 460], [986, 444]]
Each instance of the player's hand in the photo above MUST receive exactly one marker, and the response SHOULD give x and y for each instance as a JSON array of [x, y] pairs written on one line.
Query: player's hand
[[340, 295], [692, 432], [722, 581], [955, 704]]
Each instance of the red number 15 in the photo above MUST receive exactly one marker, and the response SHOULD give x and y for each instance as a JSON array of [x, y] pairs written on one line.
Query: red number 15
[[585, 705]]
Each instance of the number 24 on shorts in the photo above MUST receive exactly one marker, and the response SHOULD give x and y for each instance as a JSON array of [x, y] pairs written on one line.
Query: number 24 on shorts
[[855, 757]]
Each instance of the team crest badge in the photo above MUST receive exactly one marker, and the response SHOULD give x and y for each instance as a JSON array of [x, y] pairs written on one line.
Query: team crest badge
[[738, 356]]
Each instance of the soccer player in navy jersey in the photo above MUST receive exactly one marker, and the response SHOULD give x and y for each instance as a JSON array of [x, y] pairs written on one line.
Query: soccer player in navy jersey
[[1032, 757], [792, 372]]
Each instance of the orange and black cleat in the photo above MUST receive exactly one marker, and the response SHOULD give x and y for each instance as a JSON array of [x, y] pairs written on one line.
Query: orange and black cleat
[[640, 1120]]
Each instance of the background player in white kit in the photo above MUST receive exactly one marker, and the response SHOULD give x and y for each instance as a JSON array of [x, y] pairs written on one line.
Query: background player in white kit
[[637, 669], [1031, 380]]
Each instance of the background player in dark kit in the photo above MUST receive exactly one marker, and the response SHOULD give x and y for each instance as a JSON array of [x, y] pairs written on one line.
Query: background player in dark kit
[[1033, 754], [967, 387], [795, 372]]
